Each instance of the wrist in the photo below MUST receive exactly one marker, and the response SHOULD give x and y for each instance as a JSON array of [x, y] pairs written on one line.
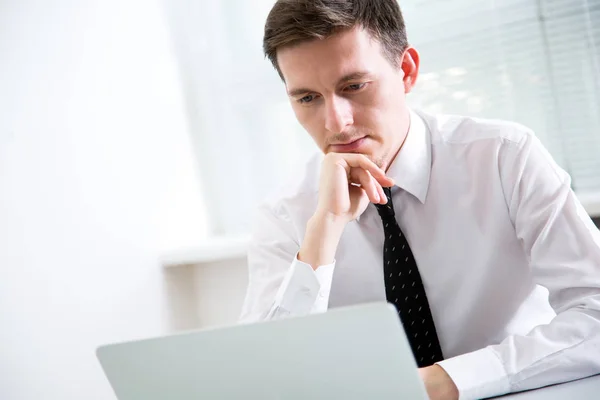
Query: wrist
[[328, 228], [326, 218], [323, 233]]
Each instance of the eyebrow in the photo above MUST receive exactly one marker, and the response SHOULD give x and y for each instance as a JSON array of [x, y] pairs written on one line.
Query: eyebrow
[[346, 78]]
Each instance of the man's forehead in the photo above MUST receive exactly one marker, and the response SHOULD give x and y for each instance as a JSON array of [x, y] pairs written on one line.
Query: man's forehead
[[327, 62]]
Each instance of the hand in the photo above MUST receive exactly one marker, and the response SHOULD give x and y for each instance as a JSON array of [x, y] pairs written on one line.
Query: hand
[[340, 202], [343, 201], [438, 383]]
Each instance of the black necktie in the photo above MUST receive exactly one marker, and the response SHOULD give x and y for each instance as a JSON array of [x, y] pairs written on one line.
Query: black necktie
[[404, 289]]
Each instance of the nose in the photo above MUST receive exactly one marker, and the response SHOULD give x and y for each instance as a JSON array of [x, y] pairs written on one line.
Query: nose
[[338, 114]]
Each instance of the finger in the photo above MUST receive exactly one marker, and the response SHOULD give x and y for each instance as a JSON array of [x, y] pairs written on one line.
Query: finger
[[361, 178], [367, 183], [382, 194], [361, 161]]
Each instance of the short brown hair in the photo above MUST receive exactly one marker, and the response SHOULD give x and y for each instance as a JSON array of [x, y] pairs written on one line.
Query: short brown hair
[[294, 21]]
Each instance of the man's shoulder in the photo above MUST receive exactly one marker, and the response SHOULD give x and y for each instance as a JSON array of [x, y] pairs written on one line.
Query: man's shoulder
[[465, 130]]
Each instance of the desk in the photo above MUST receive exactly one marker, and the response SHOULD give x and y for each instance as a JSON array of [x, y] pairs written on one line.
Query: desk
[[583, 389]]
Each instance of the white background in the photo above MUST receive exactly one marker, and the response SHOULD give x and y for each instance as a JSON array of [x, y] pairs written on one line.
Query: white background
[[95, 168], [112, 116]]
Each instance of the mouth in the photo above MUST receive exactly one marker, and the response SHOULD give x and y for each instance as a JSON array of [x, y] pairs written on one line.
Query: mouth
[[350, 147]]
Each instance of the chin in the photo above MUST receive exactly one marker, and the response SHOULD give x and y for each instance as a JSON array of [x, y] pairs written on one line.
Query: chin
[[376, 159]]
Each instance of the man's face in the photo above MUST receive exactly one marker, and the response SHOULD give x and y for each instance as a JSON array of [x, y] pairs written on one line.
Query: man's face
[[347, 94]]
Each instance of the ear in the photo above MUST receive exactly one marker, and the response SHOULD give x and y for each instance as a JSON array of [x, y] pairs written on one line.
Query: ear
[[410, 67]]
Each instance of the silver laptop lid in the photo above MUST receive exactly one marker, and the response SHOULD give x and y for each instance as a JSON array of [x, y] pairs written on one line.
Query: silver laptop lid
[[357, 352]]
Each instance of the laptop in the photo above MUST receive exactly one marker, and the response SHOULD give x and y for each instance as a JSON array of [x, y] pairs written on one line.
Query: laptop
[[357, 352]]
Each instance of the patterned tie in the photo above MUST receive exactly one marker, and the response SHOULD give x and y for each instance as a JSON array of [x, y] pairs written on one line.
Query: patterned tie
[[404, 289]]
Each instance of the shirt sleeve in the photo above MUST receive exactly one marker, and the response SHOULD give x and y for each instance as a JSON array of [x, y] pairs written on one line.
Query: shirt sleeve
[[563, 247], [279, 285]]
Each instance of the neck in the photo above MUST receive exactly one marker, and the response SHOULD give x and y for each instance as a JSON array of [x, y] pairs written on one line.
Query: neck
[[394, 153]]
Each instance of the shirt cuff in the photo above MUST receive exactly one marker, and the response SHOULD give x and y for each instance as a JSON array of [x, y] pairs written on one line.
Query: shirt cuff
[[477, 375], [305, 290]]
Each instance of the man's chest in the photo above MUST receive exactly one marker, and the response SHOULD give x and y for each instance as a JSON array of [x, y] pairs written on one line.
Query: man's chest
[[457, 250]]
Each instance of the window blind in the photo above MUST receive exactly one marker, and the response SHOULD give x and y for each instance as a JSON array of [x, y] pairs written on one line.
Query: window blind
[[536, 62], [531, 61]]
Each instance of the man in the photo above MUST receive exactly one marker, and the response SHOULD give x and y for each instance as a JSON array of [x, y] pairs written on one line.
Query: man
[[466, 225]]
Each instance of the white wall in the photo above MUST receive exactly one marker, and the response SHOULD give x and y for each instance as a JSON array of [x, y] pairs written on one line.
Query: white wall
[[219, 290], [95, 180]]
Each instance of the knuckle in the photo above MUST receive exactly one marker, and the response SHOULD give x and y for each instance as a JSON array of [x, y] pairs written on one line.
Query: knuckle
[[332, 159], [329, 157]]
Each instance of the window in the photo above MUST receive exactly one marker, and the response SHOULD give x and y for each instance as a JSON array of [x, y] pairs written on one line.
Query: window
[[245, 134], [536, 62]]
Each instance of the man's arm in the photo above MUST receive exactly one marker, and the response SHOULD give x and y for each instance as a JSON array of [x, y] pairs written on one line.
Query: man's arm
[[279, 284], [564, 251], [289, 279]]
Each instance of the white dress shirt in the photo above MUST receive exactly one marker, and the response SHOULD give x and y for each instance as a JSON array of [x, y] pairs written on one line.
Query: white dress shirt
[[509, 258]]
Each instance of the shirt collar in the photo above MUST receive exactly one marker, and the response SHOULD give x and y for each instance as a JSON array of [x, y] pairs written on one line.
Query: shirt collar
[[411, 168]]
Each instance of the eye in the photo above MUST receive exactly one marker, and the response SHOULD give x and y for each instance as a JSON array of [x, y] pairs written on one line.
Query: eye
[[306, 99], [355, 87]]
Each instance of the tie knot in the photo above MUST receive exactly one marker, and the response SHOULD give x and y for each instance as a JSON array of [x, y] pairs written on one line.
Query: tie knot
[[386, 211]]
